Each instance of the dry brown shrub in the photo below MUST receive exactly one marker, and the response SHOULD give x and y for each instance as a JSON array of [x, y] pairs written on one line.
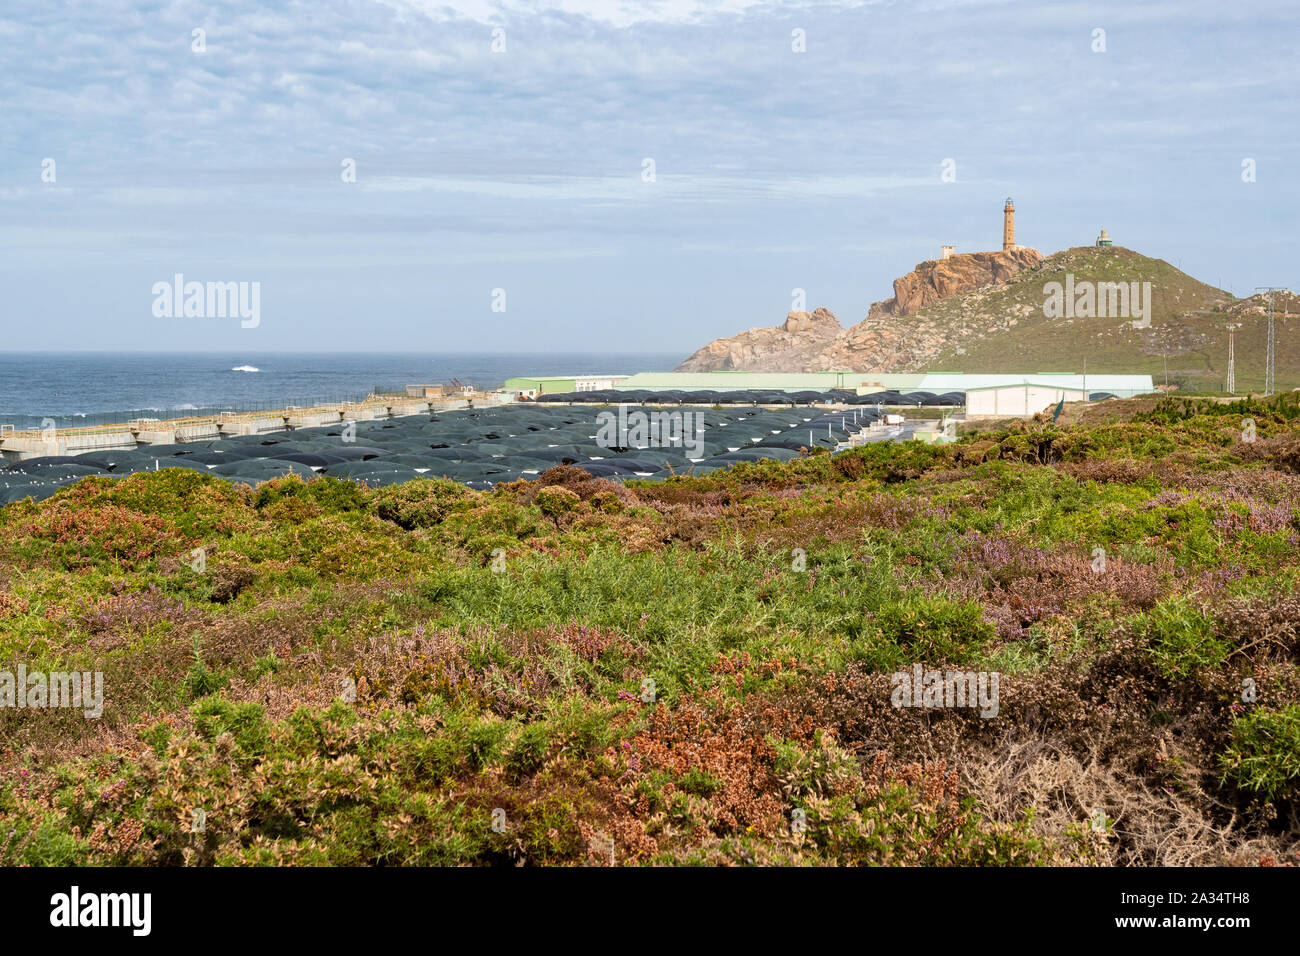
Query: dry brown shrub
[[584, 485], [1124, 471], [711, 735], [677, 493], [1149, 825], [1076, 737], [1263, 484], [11, 605], [1039, 586], [1263, 630], [1282, 452], [850, 466]]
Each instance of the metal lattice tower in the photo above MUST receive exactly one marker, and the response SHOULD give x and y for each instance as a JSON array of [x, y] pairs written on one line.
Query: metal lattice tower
[[1231, 386], [1270, 350]]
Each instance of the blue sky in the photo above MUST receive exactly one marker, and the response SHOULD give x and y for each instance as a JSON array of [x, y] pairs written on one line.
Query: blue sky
[[522, 170]]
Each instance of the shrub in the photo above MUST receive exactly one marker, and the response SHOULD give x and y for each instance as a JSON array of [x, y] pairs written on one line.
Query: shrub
[[928, 631], [527, 752], [1264, 755], [1182, 639], [556, 500], [246, 723], [231, 574], [201, 680], [422, 503]]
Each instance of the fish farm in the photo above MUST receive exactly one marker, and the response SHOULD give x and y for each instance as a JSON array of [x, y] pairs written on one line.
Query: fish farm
[[477, 447]]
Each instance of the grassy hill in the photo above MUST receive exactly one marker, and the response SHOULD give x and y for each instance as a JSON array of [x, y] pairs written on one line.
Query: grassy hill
[[1004, 329]]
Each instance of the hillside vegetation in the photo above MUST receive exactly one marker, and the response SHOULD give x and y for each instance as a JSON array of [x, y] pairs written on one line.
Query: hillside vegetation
[[1004, 329], [574, 671]]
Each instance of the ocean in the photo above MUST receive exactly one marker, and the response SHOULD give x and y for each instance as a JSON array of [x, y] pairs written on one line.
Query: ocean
[[90, 388]]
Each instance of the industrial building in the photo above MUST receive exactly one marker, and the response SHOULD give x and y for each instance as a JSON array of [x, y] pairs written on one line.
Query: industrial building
[[1120, 386], [426, 391], [1023, 400], [725, 381], [1033, 393], [530, 387], [864, 383]]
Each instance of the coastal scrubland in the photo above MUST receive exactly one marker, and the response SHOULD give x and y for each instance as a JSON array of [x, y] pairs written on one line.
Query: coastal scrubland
[[698, 671]]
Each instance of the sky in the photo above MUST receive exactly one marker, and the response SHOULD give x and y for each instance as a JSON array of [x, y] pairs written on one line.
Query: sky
[[611, 176]]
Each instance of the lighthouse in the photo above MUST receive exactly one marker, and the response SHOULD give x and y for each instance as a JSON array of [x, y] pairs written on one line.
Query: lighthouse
[[1008, 226]]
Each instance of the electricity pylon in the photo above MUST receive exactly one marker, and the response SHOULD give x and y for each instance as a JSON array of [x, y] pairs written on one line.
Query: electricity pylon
[[1270, 350]]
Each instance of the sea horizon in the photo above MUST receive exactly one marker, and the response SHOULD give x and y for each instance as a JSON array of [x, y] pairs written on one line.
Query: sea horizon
[[78, 388]]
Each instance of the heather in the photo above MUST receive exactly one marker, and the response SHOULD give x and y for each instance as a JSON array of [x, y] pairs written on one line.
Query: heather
[[694, 671]]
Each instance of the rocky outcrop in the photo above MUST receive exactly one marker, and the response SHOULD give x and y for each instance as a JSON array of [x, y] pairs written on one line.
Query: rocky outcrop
[[795, 345], [939, 279], [815, 342], [1003, 323]]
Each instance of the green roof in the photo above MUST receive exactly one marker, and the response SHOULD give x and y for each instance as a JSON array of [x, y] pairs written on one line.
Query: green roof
[[1029, 383], [734, 378], [937, 382]]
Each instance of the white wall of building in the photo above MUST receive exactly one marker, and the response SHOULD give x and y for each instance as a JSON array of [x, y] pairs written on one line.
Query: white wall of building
[[1024, 401], [596, 383]]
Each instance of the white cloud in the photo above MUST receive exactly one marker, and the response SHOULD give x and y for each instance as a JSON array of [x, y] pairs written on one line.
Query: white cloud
[[614, 13], [630, 188]]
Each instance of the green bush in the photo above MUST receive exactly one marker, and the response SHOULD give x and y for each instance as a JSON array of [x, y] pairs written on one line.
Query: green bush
[[422, 503], [201, 680], [1264, 755], [927, 630], [555, 500], [246, 723], [1182, 639]]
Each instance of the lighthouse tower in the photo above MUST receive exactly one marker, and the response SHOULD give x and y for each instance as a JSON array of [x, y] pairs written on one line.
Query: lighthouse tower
[[1008, 226]]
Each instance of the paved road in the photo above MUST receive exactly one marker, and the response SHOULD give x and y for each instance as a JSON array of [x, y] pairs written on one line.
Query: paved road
[[902, 432]]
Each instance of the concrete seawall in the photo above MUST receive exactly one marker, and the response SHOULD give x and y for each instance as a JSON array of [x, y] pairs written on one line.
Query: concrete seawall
[[21, 445]]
